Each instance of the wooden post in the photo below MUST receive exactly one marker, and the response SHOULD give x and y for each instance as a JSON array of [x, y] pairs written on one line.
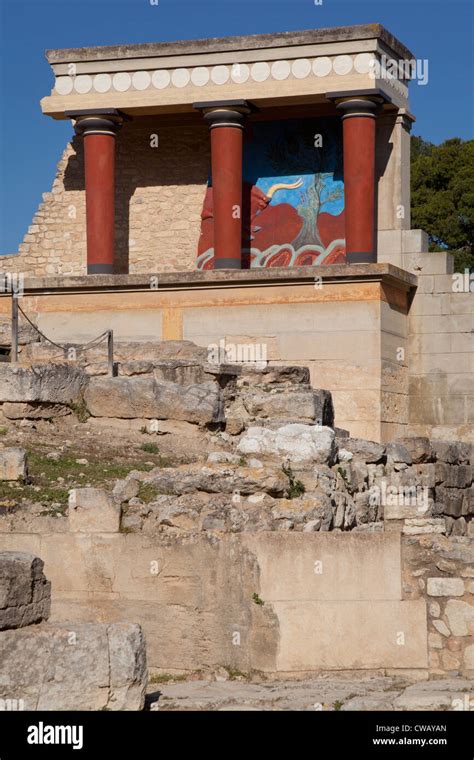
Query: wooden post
[[110, 347], [14, 349]]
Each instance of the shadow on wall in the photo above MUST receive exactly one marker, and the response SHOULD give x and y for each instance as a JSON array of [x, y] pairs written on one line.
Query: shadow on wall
[[154, 154], [181, 157], [383, 152]]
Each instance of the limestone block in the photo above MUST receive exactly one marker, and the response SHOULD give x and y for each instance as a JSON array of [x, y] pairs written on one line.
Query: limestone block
[[414, 527], [52, 383], [460, 616], [441, 627], [445, 587], [452, 452], [454, 476], [124, 490], [449, 501], [18, 411], [218, 478], [130, 397], [297, 442], [75, 666], [25, 594], [414, 241], [13, 464], [272, 404], [469, 657], [92, 510], [366, 451], [397, 453], [418, 447], [327, 566], [272, 375], [180, 371], [388, 634]]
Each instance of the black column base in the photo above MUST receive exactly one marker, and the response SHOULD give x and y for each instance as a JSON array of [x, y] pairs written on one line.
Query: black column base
[[361, 257], [100, 269], [227, 264]]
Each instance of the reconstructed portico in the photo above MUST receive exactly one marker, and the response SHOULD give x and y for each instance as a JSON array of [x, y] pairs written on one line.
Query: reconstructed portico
[[232, 84], [287, 152]]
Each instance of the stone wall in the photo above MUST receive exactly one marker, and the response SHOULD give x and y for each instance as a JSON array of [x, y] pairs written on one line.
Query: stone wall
[[441, 571], [267, 601], [159, 196], [346, 329], [254, 555], [65, 666], [439, 340]]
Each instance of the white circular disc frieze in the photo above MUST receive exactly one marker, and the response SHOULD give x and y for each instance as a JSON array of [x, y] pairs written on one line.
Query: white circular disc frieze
[[161, 79], [102, 82], [281, 70], [240, 73], [180, 77], [200, 76], [322, 66], [63, 85], [122, 81], [363, 63], [141, 80], [342, 64], [260, 71], [83, 83], [301, 68], [220, 74]]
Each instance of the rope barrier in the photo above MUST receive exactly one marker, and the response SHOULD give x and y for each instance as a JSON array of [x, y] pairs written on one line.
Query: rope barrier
[[78, 349]]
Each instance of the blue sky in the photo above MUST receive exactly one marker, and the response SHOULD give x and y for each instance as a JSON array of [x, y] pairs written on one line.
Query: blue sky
[[31, 144]]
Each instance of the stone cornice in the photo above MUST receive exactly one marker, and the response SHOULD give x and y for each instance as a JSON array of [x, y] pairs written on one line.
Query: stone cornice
[[224, 44], [337, 273]]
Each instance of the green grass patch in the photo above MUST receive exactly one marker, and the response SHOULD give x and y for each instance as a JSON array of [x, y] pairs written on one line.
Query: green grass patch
[[295, 487], [147, 492], [167, 678], [235, 674], [150, 448], [80, 410]]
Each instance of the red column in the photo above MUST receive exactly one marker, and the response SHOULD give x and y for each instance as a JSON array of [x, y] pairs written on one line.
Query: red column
[[359, 178], [99, 131], [226, 126]]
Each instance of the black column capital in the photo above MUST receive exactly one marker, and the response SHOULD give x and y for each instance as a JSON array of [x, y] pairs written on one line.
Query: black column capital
[[225, 113], [359, 106], [98, 121]]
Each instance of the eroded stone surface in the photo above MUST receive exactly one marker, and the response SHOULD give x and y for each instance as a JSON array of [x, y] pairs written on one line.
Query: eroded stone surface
[[75, 666], [315, 694]]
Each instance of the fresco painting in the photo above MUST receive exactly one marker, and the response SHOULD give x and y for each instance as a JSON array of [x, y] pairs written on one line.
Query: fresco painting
[[292, 199]]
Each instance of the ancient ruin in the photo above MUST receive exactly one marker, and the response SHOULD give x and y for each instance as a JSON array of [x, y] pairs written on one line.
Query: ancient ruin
[[268, 475]]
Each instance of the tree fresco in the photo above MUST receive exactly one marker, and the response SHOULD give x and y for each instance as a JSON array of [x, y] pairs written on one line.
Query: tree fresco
[[293, 196]]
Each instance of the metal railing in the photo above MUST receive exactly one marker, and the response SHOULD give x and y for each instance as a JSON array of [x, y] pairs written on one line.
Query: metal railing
[[78, 349]]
